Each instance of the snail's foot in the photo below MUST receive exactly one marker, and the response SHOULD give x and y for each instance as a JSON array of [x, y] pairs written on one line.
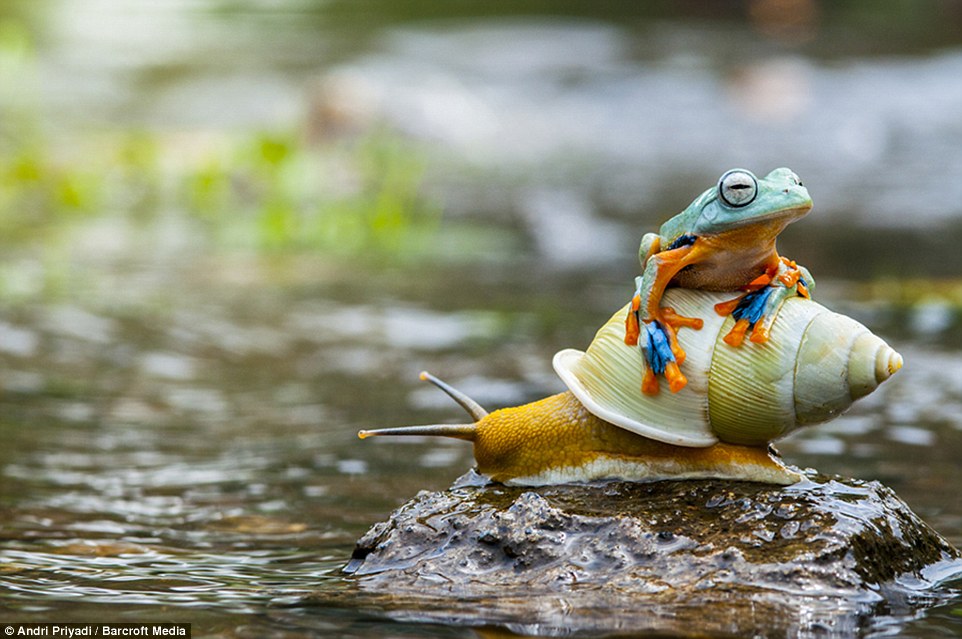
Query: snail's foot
[[660, 358]]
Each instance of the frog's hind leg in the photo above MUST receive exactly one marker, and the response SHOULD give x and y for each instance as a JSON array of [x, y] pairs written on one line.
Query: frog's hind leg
[[736, 307], [757, 309], [798, 282], [654, 327]]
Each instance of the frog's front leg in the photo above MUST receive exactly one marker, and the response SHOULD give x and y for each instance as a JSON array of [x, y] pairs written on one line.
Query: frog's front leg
[[650, 244], [758, 308], [654, 327]]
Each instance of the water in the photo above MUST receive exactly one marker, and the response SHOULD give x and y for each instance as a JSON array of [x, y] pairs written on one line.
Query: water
[[178, 420], [193, 457]]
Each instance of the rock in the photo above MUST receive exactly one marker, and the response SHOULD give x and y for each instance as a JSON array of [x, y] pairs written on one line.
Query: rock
[[730, 557]]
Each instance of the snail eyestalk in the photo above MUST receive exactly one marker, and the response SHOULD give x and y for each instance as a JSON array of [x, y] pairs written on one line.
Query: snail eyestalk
[[474, 409], [457, 431]]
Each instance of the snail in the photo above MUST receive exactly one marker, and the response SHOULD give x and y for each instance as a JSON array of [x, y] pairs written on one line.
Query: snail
[[721, 425]]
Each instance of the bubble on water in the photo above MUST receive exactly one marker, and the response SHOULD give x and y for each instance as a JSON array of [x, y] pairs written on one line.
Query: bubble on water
[[851, 425], [567, 231], [76, 412], [400, 327], [440, 458]]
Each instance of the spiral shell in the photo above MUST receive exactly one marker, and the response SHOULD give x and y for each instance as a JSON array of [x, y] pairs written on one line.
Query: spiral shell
[[815, 364]]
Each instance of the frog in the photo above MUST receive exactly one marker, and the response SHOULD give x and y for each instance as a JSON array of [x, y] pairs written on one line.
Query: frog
[[723, 241]]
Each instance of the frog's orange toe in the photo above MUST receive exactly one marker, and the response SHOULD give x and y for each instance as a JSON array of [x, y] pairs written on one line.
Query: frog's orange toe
[[736, 336], [760, 335], [649, 383], [676, 321], [727, 308], [676, 380], [632, 329]]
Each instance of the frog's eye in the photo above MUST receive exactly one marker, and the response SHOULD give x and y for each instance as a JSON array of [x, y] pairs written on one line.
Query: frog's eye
[[737, 188]]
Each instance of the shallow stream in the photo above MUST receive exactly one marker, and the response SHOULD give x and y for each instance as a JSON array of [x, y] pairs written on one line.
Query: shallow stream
[[178, 417], [190, 454]]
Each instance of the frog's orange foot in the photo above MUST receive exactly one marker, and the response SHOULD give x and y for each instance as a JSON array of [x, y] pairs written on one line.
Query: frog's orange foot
[[796, 277], [727, 308], [657, 346], [736, 335], [671, 322], [757, 311], [649, 382]]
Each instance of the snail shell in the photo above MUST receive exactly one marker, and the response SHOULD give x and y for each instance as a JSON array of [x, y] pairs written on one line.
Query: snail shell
[[813, 367]]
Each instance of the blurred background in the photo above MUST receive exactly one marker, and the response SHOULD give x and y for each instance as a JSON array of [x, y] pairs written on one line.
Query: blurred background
[[233, 231]]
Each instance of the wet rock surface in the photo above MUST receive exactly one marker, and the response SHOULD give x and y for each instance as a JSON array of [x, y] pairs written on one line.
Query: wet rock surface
[[820, 556]]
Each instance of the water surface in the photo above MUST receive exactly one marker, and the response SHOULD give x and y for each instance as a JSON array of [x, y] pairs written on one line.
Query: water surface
[[178, 416]]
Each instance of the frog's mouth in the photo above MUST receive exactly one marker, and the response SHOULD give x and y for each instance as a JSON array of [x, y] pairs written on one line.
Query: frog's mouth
[[792, 212], [789, 213], [786, 215]]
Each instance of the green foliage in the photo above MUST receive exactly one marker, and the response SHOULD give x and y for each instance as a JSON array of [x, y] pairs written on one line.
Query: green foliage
[[277, 193], [270, 191]]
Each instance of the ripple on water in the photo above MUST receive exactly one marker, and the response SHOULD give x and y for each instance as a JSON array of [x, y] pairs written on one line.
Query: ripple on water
[[124, 573], [80, 324]]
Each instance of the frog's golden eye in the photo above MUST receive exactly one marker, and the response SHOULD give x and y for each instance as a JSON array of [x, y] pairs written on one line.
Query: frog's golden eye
[[737, 188]]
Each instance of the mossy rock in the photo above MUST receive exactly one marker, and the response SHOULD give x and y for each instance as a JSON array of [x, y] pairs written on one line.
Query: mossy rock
[[729, 557]]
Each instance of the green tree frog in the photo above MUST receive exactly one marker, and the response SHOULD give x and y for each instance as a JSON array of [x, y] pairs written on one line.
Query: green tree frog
[[723, 241]]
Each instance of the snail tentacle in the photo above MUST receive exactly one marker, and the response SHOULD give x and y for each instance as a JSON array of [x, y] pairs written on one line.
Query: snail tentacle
[[457, 431], [474, 409]]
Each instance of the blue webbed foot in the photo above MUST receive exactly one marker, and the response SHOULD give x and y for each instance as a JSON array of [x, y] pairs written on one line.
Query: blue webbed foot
[[656, 347], [758, 309]]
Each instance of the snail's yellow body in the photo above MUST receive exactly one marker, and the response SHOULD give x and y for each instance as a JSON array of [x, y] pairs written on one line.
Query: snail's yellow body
[[556, 440], [737, 401]]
